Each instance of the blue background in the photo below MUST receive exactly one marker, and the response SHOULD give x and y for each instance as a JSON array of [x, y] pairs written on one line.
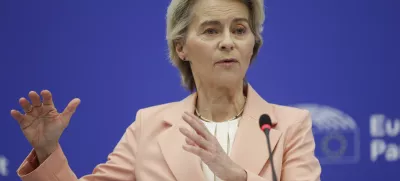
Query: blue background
[[113, 56]]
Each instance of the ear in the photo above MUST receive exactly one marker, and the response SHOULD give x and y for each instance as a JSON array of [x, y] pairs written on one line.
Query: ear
[[180, 50]]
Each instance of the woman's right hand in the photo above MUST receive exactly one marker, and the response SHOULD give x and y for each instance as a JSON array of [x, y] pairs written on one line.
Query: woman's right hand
[[42, 124]]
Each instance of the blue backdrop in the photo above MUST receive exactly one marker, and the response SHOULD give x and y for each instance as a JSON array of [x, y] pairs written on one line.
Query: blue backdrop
[[340, 59]]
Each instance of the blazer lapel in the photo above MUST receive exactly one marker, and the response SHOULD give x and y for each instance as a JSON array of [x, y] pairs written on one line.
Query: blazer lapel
[[184, 165], [250, 149]]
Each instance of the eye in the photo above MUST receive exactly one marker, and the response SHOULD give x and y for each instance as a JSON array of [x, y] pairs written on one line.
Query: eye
[[240, 30], [210, 31]]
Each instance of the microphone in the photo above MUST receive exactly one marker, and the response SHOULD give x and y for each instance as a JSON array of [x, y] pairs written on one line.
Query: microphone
[[265, 125]]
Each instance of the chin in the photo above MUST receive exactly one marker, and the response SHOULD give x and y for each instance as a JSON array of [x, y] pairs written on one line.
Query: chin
[[228, 80]]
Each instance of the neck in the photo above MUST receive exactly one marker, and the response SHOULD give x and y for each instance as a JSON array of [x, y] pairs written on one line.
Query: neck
[[220, 103]]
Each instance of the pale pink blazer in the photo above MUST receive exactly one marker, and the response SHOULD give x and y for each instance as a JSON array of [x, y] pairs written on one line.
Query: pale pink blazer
[[151, 148]]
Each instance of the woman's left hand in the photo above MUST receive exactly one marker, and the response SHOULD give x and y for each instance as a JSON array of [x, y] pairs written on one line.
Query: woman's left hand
[[203, 144]]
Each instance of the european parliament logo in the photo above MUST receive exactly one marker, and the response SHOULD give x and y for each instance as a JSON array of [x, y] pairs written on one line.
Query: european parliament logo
[[384, 132], [337, 135]]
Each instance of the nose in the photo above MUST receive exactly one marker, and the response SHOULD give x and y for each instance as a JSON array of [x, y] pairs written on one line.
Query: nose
[[227, 43]]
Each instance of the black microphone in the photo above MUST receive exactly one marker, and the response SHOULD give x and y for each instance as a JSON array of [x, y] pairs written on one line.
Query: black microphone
[[265, 125]]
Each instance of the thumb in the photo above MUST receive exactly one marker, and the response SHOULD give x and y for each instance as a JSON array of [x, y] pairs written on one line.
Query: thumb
[[70, 109]]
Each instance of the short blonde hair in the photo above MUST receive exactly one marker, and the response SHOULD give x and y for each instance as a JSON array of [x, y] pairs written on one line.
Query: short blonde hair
[[179, 17]]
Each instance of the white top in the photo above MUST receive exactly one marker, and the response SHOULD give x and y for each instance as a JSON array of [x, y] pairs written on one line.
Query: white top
[[225, 134]]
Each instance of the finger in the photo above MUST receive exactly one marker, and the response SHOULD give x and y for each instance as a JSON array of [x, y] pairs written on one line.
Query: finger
[[21, 119], [202, 131], [35, 99], [203, 127], [70, 109], [197, 139], [197, 120], [47, 98], [25, 104], [17, 116], [194, 117], [197, 151], [198, 126], [190, 142]]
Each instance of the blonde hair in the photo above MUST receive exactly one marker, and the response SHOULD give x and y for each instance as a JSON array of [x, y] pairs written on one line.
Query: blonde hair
[[179, 17]]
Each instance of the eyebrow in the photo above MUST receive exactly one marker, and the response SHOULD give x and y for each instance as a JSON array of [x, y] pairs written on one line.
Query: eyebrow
[[215, 22]]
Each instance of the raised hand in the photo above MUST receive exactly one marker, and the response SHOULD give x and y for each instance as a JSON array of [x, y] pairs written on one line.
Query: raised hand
[[42, 124], [203, 144]]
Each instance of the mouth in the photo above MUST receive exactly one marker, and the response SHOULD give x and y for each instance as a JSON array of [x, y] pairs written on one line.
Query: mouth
[[230, 60]]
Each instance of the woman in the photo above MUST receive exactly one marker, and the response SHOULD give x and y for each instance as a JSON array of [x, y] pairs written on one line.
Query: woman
[[213, 134]]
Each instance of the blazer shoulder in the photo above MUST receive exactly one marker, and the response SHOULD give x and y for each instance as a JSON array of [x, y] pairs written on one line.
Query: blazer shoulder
[[288, 115]]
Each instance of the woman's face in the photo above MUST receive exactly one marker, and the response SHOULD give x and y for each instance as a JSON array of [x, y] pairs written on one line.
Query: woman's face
[[219, 43]]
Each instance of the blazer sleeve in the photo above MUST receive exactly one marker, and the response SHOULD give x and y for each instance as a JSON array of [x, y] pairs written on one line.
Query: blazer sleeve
[[120, 164]]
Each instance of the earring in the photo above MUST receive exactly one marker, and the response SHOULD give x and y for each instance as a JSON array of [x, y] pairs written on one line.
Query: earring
[[186, 60]]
